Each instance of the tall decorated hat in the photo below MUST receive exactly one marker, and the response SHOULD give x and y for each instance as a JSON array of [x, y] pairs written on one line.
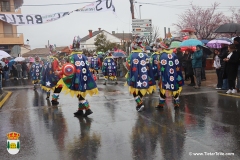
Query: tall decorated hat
[[138, 43], [53, 49], [76, 43]]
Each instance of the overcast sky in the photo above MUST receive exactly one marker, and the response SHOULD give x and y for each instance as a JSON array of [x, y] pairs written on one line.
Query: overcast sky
[[62, 31]]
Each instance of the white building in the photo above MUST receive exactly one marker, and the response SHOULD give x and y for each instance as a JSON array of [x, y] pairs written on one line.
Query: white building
[[87, 42]]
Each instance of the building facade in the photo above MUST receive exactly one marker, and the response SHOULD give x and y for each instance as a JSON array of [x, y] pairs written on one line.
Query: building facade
[[87, 42], [9, 36]]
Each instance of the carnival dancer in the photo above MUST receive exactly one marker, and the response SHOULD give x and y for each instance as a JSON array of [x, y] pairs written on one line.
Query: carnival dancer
[[109, 69], [79, 80], [51, 74], [140, 77], [155, 62], [35, 71], [171, 78], [94, 65]]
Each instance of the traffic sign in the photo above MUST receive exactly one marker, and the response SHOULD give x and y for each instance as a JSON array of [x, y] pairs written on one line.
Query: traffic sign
[[142, 33], [139, 25], [142, 30], [142, 21]]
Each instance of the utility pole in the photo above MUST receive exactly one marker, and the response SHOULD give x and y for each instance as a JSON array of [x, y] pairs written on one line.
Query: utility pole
[[132, 8]]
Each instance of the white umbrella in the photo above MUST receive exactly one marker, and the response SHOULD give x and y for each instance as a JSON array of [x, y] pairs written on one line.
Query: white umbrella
[[19, 59], [4, 54]]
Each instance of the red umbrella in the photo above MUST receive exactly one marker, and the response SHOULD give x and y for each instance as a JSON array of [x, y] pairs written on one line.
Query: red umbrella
[[188, 30]]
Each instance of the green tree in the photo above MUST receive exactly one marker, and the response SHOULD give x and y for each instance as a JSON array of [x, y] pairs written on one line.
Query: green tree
[[103, 44]]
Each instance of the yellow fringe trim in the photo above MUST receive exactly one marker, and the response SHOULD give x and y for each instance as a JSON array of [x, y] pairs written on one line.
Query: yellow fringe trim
[[143, 91], [35, 81], [76, 52], [76, 93], [111, 77], [168, 51], [47, 88], [163, 91], [137, 50]]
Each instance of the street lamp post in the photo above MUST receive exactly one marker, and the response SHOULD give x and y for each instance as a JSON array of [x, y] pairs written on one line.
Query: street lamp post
[[140, 11]]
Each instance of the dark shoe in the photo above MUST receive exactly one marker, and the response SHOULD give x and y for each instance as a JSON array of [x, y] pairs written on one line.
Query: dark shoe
[[55, 102], [104, 83], [88, 112], [191, 84], [116, 82], [196, 87], [203, 79], [78, 113], [139, 108]]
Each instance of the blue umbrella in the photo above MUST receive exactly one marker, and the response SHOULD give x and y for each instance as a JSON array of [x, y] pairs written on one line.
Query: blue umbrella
[[119, 54], [225, 39], [191, 43], [204, 41]]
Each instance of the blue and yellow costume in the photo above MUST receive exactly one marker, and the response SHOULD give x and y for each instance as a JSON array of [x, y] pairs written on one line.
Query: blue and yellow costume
[[81, 82], [109, 69], [171, 78], [140, 79], [94, 65], [49, 78], [35, 71]]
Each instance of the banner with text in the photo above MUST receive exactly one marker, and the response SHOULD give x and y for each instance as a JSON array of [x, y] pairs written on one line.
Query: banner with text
[[99, 6], [34, 19]]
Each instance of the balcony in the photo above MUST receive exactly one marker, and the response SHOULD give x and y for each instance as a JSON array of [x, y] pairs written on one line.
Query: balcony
[[11, 38]]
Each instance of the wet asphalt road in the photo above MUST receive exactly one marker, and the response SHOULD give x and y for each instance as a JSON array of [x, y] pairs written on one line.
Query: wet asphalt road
[[205, 122]]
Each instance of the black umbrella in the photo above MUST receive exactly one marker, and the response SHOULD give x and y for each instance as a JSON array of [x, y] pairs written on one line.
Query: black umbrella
[[206, 50], [228, 28]]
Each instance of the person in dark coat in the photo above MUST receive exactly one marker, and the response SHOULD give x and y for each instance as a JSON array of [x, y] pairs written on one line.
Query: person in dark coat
[[236, 42], [188, 66], [204, 64], [179, 56], [223, 55], [231, 67]]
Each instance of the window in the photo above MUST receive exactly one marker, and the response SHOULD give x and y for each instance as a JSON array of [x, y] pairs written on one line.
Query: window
[[5, 6]]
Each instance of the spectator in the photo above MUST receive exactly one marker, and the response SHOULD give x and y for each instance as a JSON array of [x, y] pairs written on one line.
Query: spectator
[[188, 67], [19, 70], [120, 66], [179, 56], [24, 70], [222, 55], [236, 42], [231, 67], [6, 72], [14, 70], [217, 66], [1, 72], [204, 61], [197, 65]]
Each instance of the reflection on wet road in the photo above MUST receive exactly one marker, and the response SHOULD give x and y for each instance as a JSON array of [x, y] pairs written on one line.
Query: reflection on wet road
[[205, 122]]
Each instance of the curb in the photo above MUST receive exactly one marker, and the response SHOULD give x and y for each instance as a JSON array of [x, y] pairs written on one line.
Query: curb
[[229, 95], [5, 99]]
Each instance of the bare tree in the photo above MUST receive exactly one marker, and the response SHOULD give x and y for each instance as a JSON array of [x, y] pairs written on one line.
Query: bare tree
[[155, 34], [204, 21]]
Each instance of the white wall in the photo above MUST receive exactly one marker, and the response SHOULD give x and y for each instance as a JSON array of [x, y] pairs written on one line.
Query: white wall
[[89, 44]]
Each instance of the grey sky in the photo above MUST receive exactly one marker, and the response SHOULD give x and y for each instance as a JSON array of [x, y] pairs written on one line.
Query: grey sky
[[61, 32]]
